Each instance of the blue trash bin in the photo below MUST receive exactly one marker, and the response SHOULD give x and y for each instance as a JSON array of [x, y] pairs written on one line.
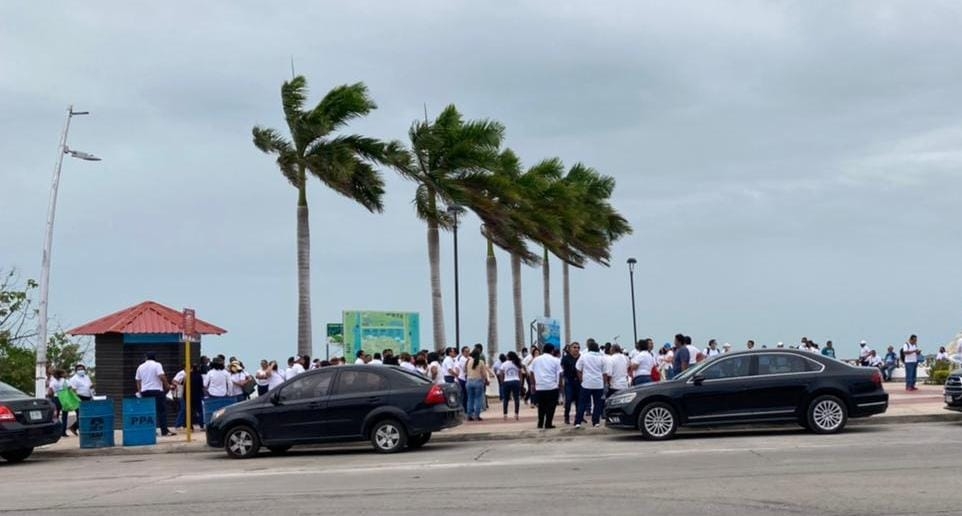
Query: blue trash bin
[[97, 424], [140, 421], [212, 405]]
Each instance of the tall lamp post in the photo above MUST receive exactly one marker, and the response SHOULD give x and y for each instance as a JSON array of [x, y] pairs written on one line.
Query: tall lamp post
[[455, 210], [40, 387], [634, 317]]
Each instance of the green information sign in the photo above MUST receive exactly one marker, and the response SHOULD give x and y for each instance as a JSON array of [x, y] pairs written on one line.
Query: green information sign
[[376, 331]]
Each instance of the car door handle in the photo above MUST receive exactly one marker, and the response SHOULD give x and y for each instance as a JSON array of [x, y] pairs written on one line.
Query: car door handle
[[374, 399]]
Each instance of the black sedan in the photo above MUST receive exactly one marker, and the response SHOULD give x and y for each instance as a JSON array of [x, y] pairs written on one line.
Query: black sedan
[[749, 387], [387, 405], [953, 391], [25, 423]]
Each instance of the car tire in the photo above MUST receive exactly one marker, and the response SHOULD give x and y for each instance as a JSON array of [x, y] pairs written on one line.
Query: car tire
[[827, 415], [419, 440], [658, 421], [279, 450], [241, 442], [388, 436], [14, 456]]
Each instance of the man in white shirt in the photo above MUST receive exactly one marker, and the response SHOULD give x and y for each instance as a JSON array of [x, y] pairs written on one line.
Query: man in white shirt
[[449, 366], [693, 352], [712, 350], [617, 371], [152, 383], [593, 370], [360, 357], [463, 374], [545, 377], [912, 354], [863, 352], [296, 368], [376, 360], [82, 385]]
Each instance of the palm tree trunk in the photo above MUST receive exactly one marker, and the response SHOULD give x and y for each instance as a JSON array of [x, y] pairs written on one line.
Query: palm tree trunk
[[546, 276], [304, 343], [492, 301], [437, 308], [566, 293], [516, 294]]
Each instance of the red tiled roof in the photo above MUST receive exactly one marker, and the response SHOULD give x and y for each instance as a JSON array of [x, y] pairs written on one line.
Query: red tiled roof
[[147, 317]]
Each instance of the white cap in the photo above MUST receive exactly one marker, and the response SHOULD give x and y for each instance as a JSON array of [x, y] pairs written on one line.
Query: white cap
[[726, 345], [780, 345], [862, 343]]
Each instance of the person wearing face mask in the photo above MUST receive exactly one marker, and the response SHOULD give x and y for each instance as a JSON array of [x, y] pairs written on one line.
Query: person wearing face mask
[[84, 387]]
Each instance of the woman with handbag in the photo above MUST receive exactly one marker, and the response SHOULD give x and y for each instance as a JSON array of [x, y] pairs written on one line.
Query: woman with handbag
[[476, 373]]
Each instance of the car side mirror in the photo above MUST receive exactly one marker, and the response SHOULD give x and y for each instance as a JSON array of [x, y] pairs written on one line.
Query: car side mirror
[[698, 379], [276, 398]]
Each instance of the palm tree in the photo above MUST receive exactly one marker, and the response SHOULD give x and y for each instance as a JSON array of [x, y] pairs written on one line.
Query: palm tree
[[450, 160], [345, 163], [592, 228]]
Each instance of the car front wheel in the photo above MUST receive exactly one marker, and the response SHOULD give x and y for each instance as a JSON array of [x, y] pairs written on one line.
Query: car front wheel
[[419, 440], [658, 421], [241, 442], [827, 415], [17, 455], [388, 436]]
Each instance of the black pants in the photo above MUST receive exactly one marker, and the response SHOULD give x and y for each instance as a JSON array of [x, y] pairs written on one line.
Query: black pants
[[572, 395], [76, 424], [161, 399], [547, 403], [512, 389], [261, 390]]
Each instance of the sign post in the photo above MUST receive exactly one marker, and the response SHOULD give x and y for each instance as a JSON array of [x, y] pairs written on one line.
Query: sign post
[[189, 327]]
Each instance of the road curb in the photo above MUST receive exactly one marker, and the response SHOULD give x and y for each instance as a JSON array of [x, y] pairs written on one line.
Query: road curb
[[442, 437]]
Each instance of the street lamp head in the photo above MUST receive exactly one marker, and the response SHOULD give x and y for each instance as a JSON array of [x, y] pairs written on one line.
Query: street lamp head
[[455, 209], [631, 264], [81, 155], [75, 113]]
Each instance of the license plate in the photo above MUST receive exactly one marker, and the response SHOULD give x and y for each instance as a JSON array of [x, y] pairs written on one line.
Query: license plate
[[35, 415], [948, 398]]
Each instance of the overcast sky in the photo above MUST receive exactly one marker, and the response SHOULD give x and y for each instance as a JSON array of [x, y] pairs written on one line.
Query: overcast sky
[[790, 168]]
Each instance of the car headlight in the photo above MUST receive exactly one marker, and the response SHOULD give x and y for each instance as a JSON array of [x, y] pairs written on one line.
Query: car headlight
[[217, 414], [621, 399]]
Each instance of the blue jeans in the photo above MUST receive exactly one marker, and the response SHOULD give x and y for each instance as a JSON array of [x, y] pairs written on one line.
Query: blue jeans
[[512, 389], [572, 397], [475, 388], [640, 380], [182, 414], [597, 405], [911, 370]]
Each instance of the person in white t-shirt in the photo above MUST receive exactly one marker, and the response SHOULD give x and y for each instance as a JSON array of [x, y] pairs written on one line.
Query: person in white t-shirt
[[217, 383], [152, 383], [694, 354], [295, 367], [238, 381], [712, 350], [617, 371], [434, 370], [642, 364], [863, 352], [449, 366], [275, 376], [531, 397], [262, 378], [545, 377], [359, 360], [912, 355], [593, 370], [510, 371]]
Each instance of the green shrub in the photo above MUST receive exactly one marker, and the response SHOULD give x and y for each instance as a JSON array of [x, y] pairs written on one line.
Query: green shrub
[[939, 372]]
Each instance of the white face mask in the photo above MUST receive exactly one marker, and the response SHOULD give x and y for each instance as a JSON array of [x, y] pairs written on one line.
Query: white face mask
[[81, 372]]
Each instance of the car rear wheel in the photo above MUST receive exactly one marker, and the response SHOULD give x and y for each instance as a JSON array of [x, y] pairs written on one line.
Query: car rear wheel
[[241, 442], [658, 421], [419, 440], [827, 415], [389, 436], [17, 455]]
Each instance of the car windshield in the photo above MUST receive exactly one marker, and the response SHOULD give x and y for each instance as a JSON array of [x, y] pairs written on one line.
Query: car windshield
[[8, 393], [692, 371]]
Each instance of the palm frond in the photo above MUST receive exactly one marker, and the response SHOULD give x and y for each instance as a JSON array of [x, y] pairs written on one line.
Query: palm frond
[[341, 105]]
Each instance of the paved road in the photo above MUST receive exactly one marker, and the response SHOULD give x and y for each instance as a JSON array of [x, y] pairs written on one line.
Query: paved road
[[892, 469]]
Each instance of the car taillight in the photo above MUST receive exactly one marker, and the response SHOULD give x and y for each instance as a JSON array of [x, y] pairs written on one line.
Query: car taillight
[[435, 396], [6, 415], [877, 379]]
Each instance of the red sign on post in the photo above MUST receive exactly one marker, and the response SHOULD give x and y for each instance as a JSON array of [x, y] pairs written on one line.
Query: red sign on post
[[190, 320]]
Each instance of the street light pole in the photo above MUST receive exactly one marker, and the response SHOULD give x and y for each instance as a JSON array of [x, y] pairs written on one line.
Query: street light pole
[[454, 211], [40, 386], [634, 317]]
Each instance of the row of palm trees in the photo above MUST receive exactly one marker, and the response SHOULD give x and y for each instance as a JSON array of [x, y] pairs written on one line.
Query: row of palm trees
[[453, 161]]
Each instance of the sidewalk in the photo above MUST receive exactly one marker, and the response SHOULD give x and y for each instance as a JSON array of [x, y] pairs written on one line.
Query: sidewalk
[[925, 405]]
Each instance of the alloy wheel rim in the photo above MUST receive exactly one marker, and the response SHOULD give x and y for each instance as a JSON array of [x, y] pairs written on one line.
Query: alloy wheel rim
[[387, 437], [659, 421], [827, 415], [241, 442]]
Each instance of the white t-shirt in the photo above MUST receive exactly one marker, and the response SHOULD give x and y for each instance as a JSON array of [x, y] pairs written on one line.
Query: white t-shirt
[[217, 383], [447, 365], [510, 371], [436, 369], [276, 378], [56, 384], [643, 363], [463, 367], [547, 372], [911, 353], [618, 372], [82, 385], [712, 352], [359, 361], [864, 351], [260, 378], [693, 352], [408, 366], [875, 361], [148, 374], [592, 366], [942, 356], [375, 361], [234, 389], [294, 370]]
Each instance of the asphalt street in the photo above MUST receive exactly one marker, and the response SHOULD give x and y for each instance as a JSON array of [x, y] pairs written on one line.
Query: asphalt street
[[871, 470]]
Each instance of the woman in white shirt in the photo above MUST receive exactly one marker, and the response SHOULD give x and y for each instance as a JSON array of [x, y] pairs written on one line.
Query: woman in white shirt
[[238, 380], [511, 384], [84, 388], [433, 371], [532, 397], [642, 364], [217, 384], [56, 382], [274, 376]]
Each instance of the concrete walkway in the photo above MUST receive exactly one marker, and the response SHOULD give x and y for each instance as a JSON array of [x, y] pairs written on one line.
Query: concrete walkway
[[924, 405]]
